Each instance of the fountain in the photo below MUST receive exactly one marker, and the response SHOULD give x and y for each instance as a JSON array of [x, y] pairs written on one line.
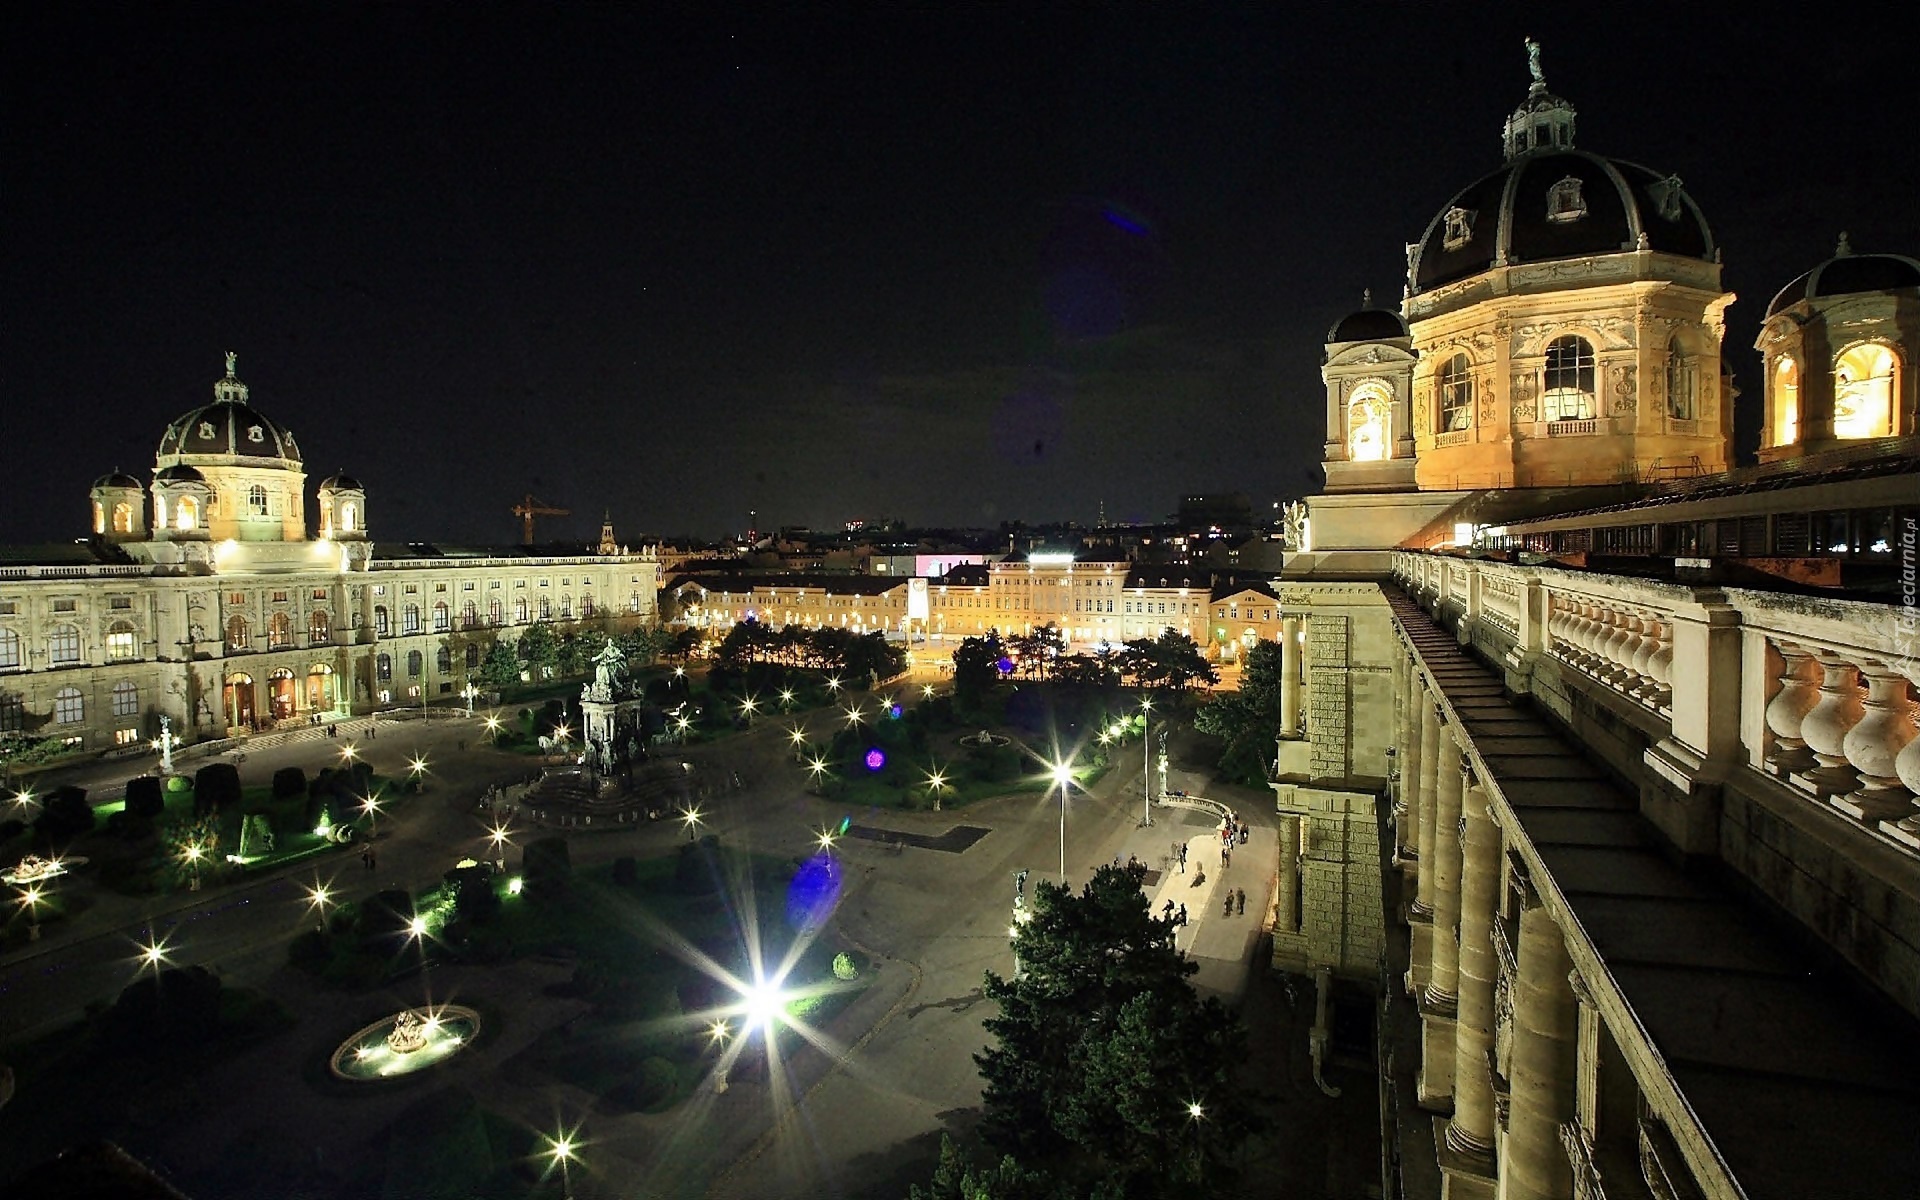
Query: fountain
[[410, 1040]]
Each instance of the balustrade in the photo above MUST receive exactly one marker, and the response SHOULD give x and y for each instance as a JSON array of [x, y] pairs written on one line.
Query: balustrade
[[1627, 648], [1841, 726]]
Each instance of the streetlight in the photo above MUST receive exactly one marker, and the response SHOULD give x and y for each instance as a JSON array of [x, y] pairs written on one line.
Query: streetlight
[[833, 684], [748, 707], [786, 698], [500, 835], [854, 716], [468, 693], [1062, 777], [1196, 1114], [492, 726], [1146, 762], [926, 691], [417, 768], [153, 953], [560, 1151], [318, 897], [347, 754], [691, 819], [817, 767], [936, 783], [370, 808], [193, 852], [30, 900], [824, 839]]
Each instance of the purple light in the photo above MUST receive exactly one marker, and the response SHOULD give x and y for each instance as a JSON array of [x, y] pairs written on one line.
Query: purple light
[[1006, 666], [893, 710], [876, 758]]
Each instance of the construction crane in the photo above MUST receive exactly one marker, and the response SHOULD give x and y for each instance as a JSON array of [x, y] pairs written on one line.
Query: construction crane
[[531, 506]]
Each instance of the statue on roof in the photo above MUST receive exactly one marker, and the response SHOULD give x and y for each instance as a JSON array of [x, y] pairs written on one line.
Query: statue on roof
[[1533, 62], [232, 358]]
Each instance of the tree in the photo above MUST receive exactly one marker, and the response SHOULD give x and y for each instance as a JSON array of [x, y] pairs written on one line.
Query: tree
[[538, 651], [957, 1178], [65, 815], [1036, 651], [501, 667], [1100, 1044], [1247, 720], [976, 668]]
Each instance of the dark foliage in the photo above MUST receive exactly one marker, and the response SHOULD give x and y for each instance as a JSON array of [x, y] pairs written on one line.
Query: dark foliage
[[216, 788], [144, 797], [66, 815]]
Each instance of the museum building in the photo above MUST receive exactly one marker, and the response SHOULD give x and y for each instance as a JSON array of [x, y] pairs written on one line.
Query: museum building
[[1599, 769], [205, 597]]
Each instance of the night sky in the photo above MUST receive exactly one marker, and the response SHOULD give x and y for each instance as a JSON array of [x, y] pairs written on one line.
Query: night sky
[[953, 267]]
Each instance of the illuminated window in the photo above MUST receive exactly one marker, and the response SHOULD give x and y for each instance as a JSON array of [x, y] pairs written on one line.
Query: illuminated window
[[1456, 395], [63, 646], [473, 657], [381, 625], [546, 607], [566, 608], [279, 631], [1568, 394], [9, 649], [520, 611], [415, 661], [237, 633], [441, 622], [319, 628], [99, 518], [494, 612], [126, 699], [186, 514], [1786, 402], [13, 714], [1863, 392], [410, 619], [1367, 422], [121, 642], [383, 667], [160, 512], [257, 500], [349, 517], [123, 517], [69, 707], [1680, 387], [469, 615]]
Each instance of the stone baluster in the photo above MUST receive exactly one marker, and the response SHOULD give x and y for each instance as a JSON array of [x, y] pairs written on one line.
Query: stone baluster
[[1644, 648], [1827, 726], [1907, 766], [1617, 670], [1871, 747], [1660, 667], [1787, 711], [1598, 634], [1545, 1019], [1471, 1129]]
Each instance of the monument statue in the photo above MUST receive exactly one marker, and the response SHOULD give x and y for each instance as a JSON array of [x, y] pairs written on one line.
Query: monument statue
[[1533, 61], [609, 674], [1294, 526]]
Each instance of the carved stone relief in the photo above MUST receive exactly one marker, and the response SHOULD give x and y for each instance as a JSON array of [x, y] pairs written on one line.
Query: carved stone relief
[[1524, 398], [1622, 377]]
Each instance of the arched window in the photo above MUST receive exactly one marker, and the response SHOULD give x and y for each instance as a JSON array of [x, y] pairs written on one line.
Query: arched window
[[494, 612], [1786, 402], [126, 699], [1456, 395], [473, 656], [381, 623], [257, 500], [63, 646], [1680, 387], [1863, 392], [319, 628], [279, 631], [410, 619], [546, 608], [633, 602], [586, 606], [566, 608], [441, 623], [520, 611], [1569, 384], [186, 513], [122, 642], [443, 660], [349, 516], [469, 615], [415, 660], [99, 518], [13, 714], [69, 707], [1367, 420], [237, 634], [9, 649], [123, 517], [383, 667]]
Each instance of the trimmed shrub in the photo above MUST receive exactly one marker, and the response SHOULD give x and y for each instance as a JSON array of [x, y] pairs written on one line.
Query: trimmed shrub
[[216, 788], [67, 815], [11, 828], [289, 781], [547, 866], [309, 951], [180, 1005], [144, 797]]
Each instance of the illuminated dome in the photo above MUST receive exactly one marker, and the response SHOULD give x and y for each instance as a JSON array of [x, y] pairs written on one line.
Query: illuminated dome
[[229, 429], [1368, 324], [340, 481], [119, 479], [1847, 273]]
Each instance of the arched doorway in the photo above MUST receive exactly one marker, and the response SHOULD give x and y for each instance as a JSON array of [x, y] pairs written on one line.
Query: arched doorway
[[320, 688], [236, 700], [280, 693]]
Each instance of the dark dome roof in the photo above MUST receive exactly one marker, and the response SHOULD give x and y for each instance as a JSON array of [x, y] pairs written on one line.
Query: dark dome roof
[[1847, 273], [1509, 216], [1368, 325], [229, 429], [178, 473], [117, 479], [340, 481]]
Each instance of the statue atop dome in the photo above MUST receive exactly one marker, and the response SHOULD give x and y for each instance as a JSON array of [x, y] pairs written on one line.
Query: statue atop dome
[[232, 359], [1533, 64]]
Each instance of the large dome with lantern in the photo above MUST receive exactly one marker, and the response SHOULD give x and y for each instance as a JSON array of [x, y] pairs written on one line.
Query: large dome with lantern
[[229, 430]]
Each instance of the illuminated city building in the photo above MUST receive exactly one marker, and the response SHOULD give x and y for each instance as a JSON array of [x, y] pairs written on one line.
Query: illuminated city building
[[1640, 723], [204, 597]]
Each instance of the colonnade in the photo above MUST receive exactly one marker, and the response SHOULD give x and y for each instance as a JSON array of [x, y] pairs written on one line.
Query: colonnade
[[1498, 1031]]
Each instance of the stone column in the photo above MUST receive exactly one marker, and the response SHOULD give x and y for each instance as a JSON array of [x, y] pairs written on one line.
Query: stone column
[[1287, 905], [1437, 1000], [1290, 677], [1430, 734], [1411, 801], [1545, 1019], [1471, 1130]]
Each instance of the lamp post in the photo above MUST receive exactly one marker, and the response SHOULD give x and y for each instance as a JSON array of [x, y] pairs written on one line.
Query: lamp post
[[691, 818], [1195, 1115], [1146, 762], [1062, 777], [468, 693]]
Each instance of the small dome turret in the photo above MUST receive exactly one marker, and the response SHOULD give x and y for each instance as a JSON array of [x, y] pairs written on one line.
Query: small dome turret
[[119, 507], [343, 508]]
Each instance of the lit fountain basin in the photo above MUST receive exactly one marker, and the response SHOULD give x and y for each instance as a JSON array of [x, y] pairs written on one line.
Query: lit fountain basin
[[408, 1041]]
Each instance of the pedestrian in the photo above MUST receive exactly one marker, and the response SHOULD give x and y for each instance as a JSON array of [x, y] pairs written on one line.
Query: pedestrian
[[371, 856], [1199, 877], [1243, 835], [373, 731], [1228, 911], [1182, 919], [1240, 895], [463, 745], [1167, 912], [366, 856]]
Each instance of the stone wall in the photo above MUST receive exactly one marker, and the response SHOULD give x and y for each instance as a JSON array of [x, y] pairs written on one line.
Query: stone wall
[[1340, 921]]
